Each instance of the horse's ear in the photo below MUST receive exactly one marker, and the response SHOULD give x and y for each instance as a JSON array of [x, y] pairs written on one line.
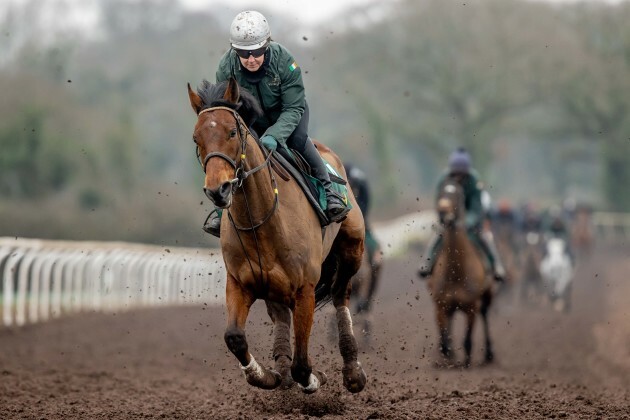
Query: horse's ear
[[232, 93], [195, 100]]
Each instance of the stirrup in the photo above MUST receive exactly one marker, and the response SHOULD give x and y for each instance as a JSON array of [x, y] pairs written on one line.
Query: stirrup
[[337, 214], [214, 226], [337, 210]]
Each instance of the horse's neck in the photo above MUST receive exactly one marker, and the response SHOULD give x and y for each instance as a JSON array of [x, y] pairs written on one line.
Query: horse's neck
[[256, 196], [455, 247]]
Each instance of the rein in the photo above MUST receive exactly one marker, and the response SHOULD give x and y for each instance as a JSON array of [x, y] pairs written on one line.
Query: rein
[[240, 175]]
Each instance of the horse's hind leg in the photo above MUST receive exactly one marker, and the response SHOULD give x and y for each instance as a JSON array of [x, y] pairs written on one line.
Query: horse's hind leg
[[486, 300], [354, 377], [281, 317], [238, 303]]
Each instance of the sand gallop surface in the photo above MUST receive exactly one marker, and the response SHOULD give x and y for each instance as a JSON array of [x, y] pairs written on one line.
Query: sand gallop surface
[[173, 363]]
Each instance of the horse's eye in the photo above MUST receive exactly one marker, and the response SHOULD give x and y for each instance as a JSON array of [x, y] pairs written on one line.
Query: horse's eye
[[233, 133]]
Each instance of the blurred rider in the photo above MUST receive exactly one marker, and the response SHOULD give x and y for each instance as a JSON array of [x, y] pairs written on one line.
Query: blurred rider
[[268, 71], [460, 169], [556, 227], [360, 187]]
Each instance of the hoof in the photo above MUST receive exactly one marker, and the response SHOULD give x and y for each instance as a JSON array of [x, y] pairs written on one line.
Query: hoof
[[315, 381], [283, 365], [354, 378], [260, 377]]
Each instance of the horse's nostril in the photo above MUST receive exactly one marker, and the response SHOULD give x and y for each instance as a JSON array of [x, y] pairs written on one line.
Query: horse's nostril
[[226, 187]]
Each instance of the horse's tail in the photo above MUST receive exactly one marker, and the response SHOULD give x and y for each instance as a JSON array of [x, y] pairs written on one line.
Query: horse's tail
[[325, 287]]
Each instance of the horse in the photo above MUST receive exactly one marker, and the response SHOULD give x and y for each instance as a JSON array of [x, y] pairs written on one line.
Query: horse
[[583, 231], [531, 256], [556, 271], [504, 234], [460, 278], [273, 244]]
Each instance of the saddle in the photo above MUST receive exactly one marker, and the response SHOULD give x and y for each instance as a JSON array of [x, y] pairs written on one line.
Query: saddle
[[289, 163]]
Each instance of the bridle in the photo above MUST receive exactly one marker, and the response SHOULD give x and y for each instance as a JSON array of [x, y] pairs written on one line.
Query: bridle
[[240, 175], [452, 195]]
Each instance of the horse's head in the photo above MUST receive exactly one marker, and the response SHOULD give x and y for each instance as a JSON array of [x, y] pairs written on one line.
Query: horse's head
[[224, 113], [450, 203]]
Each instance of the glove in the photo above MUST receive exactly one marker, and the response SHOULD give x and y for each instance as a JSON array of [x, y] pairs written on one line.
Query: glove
[[269, 142]]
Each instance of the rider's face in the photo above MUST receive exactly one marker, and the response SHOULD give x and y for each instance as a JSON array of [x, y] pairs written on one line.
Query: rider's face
[[458, 176], [252, 63]]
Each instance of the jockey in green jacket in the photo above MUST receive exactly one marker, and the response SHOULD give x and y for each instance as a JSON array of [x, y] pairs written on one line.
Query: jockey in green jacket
[[460, 169], [269, 72]]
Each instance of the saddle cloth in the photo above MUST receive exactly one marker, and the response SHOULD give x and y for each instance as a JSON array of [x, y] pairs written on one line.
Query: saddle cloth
[[314, 191]]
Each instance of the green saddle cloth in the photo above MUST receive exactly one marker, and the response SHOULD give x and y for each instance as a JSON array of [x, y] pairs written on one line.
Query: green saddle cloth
[[340, 189]]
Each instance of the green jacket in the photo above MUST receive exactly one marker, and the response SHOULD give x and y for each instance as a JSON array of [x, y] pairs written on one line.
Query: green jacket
[[280, 92], [472, 197]]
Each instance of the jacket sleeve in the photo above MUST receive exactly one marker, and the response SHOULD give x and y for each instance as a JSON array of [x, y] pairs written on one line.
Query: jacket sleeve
[[292, 97], [474, 208], [438, 189]]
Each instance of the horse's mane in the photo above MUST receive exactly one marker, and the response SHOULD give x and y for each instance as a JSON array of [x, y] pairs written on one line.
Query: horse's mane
[[247, 106]]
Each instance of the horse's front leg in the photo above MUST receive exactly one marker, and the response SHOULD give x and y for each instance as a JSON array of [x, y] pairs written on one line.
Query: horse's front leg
[[281, 317], [238, 303], [301, 369], [354, 378], [470, 324], [486, 300], [443, 316]]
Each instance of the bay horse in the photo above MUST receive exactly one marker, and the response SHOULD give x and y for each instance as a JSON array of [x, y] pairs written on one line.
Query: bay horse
[[460, 279], [582, 231], [273, 244]]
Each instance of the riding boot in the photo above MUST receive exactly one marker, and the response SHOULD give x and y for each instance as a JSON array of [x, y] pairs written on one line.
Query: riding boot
[[336, 210], [487, 242], [432, 249], [212, 225]]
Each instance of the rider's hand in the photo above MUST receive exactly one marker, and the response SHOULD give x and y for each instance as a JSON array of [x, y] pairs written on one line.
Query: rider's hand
[[269, 142]]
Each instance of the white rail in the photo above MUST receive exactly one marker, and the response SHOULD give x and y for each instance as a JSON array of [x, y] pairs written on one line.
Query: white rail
[[41, 279], [612, 227]]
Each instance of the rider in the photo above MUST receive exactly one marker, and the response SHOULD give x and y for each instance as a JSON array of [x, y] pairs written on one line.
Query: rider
[[504, 222], [268, 71], [460, 169], [555, 227], [359, 183]]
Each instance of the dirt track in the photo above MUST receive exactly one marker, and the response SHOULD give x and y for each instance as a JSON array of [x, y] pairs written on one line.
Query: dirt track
[[173, 363]]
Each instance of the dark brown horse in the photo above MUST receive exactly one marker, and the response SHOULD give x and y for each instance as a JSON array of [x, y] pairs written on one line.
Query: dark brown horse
[[460, 280], [582, 231], [273, 245]]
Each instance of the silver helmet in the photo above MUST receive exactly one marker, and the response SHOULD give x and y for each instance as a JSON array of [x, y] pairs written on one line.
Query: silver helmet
[[249, 31]]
